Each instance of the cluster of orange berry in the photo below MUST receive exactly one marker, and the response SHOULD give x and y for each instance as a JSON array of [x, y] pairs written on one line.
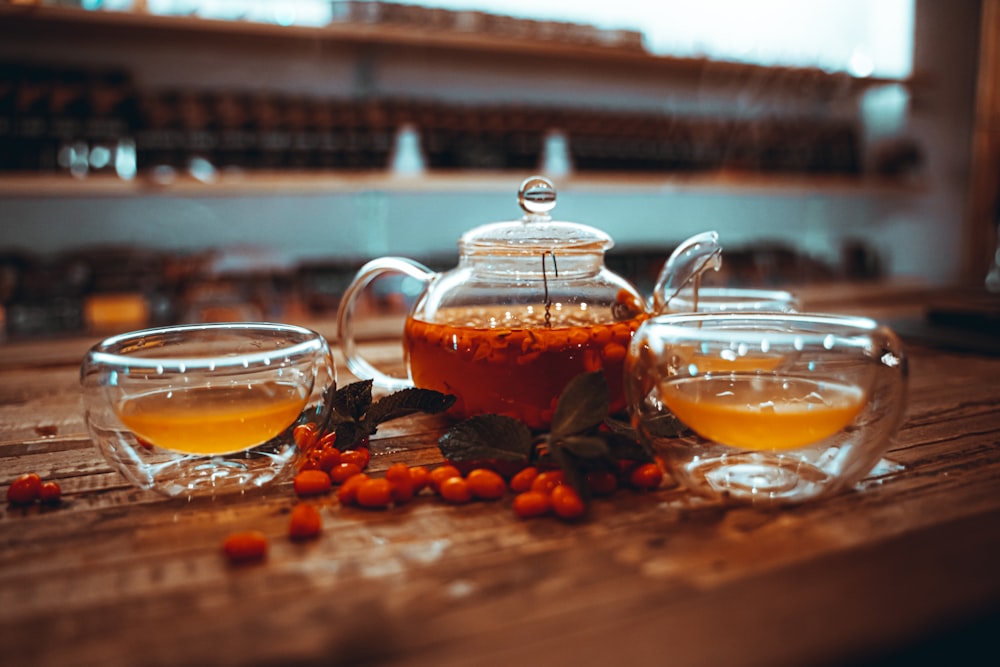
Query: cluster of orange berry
[[538, 492], [541, 492], [29, 487], [324, 465]]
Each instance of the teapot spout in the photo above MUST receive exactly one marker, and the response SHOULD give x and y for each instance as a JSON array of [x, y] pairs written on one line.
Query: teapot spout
[[688, 261]]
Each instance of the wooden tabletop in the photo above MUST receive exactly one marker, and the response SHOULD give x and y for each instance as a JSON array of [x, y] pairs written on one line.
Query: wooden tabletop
[[904, 565]]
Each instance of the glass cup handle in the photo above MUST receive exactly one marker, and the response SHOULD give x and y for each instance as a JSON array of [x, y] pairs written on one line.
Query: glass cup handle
[[345, 316]]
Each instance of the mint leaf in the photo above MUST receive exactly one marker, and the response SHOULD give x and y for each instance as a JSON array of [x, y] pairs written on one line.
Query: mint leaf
[[583, 404], [573, 470], [586, 446], [627, 448], [487, 437], [349, 433], [664, 426], [352, 401], [406, 402], [354, 416]]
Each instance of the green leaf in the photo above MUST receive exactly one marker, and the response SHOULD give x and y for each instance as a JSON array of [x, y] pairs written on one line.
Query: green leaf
[[620, 426], [349, 433], [353, 400], [328, 416], [406, 402], [664, 426], [627, 448], [586, 446], [573, 470], [487, 437], [583, 404]]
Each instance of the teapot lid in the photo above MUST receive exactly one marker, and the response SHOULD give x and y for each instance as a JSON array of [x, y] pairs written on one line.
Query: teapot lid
[[536, 232]]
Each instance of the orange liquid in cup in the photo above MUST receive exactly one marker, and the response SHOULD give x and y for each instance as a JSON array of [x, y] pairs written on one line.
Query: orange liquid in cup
[[518, 372], [763, 412], [214, 420]]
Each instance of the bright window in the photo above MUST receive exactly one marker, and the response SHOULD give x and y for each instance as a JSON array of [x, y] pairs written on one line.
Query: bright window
[[863, 37]]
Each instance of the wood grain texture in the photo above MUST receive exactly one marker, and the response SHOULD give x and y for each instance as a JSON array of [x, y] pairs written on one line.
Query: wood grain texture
[[119, 576]]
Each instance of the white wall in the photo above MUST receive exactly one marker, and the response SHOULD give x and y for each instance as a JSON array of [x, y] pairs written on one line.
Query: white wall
[[375, 222], [915, 231]]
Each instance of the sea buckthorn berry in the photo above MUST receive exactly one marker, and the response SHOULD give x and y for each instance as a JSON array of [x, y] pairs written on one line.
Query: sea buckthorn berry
[[614, 352], [347, 494], [398, 471], [327, 440], [402, 490], [567, 503], [646, 476], [455, 490], [309, 463], [374, 493], [531, 504], [311, 483], [304, 522], [522, 480], [622, 332], [420, 477], [305, 435], [399, 476], [25, 489], [625, 468], [601, 335], [548, 480], [341, 472], [245, 547], [486, 484], [602, 482], [50, 492], [442, 473], [327, 458], [359, 457]]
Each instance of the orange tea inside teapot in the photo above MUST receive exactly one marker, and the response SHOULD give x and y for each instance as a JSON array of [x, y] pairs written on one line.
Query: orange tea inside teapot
[[518, 372]]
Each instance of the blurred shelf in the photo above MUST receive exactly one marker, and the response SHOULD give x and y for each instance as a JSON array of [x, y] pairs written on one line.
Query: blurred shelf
[[21, 185], [53, 21]]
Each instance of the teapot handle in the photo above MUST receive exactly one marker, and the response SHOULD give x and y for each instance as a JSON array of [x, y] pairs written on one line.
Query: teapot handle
[[345, 316]]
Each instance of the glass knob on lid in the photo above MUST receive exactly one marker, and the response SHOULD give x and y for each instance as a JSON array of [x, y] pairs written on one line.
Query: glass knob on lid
[[537, 196], [536, 232]]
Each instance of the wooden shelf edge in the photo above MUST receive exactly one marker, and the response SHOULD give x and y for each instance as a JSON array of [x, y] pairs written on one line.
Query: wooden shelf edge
[[20, 185]]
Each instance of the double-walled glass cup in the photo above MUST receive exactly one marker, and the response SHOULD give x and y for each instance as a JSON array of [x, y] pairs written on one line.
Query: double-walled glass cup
[[205, 409], [777, 407]]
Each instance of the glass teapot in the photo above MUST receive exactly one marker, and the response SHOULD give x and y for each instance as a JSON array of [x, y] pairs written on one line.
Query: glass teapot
[[529, 306]]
